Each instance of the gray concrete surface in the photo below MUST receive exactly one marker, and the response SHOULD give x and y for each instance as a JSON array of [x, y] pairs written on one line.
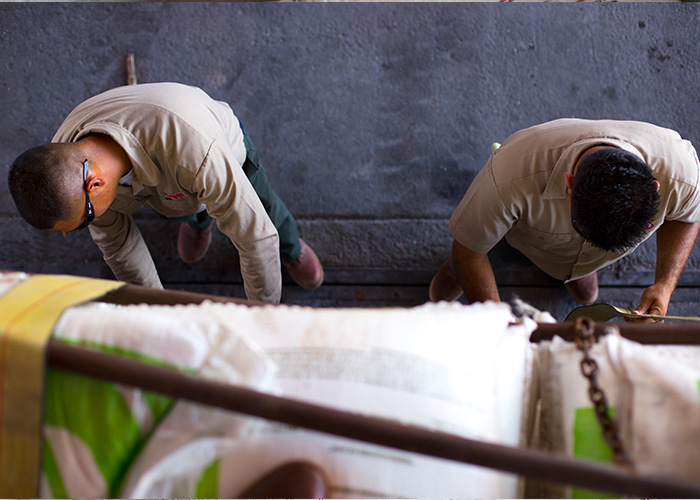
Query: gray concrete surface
[[372, 119]]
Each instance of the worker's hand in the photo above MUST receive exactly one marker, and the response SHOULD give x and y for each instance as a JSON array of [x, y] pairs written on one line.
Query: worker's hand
[[655, 300]]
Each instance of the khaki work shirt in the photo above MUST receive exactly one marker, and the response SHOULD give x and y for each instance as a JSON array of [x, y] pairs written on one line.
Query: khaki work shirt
[[186, 151], [520, 194]]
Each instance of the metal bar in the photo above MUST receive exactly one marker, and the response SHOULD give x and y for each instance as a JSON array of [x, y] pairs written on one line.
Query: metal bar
[[130, 70], [674, 333], [531, 463], [136, 294]]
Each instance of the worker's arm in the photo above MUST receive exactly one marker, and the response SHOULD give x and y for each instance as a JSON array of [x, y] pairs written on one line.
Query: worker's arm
[[231, 199], [674, 242], [124, 249], [475, 274]]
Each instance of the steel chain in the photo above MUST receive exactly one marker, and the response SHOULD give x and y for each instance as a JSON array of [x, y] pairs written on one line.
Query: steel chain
[[585, 338]]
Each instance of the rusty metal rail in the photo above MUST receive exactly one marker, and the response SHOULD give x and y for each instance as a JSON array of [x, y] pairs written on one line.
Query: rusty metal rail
[[674, 333]]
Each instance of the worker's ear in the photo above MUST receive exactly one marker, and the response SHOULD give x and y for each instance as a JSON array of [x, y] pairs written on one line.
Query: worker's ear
[[658, 184], [94, 182], [569, 181]]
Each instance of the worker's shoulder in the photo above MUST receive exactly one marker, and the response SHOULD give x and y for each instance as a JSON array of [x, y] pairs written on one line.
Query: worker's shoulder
[[541, 147], [175, 97], [577, 129], [530, 154], [537, 146], [151, 107]]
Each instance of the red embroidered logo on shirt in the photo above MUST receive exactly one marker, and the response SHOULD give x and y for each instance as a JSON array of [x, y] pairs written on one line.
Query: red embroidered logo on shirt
[[175, 196]]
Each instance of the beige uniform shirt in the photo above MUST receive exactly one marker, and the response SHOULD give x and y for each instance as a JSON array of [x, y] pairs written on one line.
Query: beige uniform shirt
[[186, 151], [521, 192]]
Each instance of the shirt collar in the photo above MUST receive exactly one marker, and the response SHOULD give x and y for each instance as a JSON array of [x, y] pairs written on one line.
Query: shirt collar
[[145, 172], [556, 185]]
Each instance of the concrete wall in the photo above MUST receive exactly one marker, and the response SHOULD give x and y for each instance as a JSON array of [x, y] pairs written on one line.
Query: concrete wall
[[372, 119]]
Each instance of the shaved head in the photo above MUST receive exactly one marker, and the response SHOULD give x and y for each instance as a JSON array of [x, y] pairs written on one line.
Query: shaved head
[[46, 184]]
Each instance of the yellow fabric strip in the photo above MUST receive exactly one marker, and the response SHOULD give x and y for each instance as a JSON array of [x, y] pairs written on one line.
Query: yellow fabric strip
[[604, 312], [28, 313]]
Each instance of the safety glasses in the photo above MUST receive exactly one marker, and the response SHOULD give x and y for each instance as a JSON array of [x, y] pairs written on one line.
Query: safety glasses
[[88, 206]]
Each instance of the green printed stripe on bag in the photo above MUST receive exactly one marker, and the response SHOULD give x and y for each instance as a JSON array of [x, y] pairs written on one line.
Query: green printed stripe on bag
[[158, 404], [51, 472], [590, 444], [207, 486], [95, 412]]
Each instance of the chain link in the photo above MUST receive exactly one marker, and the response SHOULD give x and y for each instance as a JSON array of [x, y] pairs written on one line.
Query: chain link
[[585, 338]]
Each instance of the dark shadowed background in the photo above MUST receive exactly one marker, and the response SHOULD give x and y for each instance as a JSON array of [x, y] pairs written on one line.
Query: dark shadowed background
[[371, 119]]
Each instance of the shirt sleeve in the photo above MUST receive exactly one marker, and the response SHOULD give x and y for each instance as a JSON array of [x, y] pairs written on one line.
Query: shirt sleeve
[[222, 186], [482, 218], [680, 193], [124, 249]]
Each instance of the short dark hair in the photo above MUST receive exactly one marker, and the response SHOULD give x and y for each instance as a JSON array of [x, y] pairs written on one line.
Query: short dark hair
[[614, 199], [42, 182]]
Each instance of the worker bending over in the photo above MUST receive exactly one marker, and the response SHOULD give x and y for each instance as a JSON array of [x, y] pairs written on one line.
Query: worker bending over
[[173, 148], [574, 196]]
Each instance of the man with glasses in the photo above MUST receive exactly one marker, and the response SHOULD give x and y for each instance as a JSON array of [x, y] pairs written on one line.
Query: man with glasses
[[174, 149], [574, 196]]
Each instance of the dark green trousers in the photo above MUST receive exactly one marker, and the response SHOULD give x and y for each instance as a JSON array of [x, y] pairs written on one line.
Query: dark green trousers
[[503, 256], [277, 211]]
